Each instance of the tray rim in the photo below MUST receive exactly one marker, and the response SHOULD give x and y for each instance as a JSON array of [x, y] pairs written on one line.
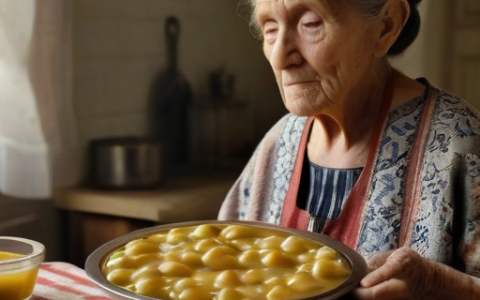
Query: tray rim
[[95, 261]]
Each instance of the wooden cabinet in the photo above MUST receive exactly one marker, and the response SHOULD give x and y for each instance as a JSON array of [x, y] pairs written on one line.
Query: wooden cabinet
[[87, 232]]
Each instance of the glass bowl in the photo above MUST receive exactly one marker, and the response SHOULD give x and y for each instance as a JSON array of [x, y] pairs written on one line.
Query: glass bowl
[[96, 262], [19, 262]]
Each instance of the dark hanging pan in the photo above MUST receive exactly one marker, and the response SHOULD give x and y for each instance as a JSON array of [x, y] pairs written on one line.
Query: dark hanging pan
[[169, 98]]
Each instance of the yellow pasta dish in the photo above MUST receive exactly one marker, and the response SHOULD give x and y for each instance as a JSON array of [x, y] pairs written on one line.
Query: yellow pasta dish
[[220, 261]]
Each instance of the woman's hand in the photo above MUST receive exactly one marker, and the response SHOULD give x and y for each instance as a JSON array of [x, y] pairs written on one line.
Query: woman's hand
[[404, 275], [400, 274]]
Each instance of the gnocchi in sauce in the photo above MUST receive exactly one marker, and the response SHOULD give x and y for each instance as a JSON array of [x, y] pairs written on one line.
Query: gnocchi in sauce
[[221, 262]]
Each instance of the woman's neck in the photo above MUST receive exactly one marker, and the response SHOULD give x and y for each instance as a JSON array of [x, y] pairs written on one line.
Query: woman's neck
[[340, 137]]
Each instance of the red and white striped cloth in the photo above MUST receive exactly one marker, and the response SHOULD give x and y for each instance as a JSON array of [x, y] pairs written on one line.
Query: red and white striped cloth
[[64, 281]]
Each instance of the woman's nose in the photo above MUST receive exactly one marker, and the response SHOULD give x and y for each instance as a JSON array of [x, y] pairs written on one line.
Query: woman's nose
[[285, 52]]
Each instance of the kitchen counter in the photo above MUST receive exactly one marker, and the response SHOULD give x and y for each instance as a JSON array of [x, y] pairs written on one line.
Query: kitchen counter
[[181, 199], [96, 216]]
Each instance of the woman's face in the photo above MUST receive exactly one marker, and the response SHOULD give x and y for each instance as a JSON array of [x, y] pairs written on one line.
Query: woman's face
[[321, 51]]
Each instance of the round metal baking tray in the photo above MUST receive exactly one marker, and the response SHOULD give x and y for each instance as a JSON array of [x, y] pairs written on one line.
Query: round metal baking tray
[[95, 262]]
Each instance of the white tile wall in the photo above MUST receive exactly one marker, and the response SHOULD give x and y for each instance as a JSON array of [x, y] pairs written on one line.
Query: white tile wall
[[119, 46], [114, 125]]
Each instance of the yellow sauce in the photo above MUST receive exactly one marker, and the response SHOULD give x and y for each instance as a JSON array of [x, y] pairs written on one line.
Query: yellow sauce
[[9, 255], [16, 285], [226, 262]]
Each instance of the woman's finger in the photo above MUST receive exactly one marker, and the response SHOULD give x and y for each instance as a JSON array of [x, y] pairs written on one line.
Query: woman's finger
[[377, 260], [389, 290], [386, 269]]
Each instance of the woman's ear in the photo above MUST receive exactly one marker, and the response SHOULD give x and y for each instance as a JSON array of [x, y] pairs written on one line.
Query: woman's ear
[[392, 19]]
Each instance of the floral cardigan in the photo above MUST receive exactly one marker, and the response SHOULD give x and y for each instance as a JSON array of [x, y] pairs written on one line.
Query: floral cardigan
[[423, 190]]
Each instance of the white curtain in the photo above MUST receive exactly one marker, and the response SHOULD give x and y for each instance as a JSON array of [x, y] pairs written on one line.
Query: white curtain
[[38, 139]]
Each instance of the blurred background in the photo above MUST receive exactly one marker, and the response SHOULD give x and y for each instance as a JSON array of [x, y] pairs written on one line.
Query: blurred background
[[115, 51]]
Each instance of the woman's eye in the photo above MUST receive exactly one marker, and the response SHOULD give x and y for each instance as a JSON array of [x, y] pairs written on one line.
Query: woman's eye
[[269, 31], [310, 20], [270, 34], [312, 25]]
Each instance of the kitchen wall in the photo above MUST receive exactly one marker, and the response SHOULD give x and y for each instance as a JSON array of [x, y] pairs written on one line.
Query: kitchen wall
[[428, 55], [119, 47]]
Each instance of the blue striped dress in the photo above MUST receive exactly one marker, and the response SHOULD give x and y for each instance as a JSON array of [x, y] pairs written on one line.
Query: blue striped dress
[[323, 191]]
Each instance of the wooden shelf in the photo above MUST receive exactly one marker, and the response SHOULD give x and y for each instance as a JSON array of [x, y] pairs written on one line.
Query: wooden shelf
[[182, 199]]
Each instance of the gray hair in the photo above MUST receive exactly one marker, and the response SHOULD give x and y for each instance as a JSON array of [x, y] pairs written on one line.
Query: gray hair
[[369, 9], [246, 10]]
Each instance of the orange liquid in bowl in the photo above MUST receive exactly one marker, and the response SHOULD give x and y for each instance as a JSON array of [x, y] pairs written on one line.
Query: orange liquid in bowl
[[16, 285]]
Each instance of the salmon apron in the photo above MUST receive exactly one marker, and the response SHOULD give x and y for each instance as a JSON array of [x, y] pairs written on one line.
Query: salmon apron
[[346, 227]]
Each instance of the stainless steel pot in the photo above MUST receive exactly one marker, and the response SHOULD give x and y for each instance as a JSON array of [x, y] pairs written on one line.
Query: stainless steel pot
[[125, 162]]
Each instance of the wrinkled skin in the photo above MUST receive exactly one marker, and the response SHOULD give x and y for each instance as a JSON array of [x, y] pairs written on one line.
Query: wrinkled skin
[[400, 274], [403, 274]]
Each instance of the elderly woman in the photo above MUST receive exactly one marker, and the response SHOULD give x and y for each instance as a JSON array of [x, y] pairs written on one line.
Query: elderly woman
[[388, 165]]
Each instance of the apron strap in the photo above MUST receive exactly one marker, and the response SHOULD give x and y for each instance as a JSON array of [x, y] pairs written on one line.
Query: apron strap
[[412, 184], [292, 216], [347, 226]]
